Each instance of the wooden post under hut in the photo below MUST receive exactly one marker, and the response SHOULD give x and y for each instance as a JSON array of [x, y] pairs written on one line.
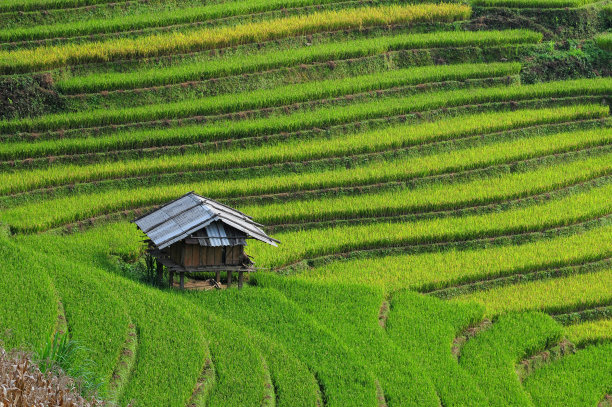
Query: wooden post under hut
[[160, 272], [193, 234]]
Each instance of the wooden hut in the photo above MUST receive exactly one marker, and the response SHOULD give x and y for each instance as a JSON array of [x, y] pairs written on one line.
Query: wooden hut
[[196, 234]]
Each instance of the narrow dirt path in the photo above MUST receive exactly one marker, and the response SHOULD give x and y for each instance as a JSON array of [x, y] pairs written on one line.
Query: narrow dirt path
[[606, 401], [383, 314], [468, 334], [380, 395], [269, 398], [526, 366], [204, 385], [61, 325], [125, 365]]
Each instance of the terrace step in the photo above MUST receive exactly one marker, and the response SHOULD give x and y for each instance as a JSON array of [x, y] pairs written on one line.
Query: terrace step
[[125, 364], [204, 386], [490, 356], [582, 378]]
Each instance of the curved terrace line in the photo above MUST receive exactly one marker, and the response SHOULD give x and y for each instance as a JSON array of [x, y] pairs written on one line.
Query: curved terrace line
[[352, 188], [53, 57], [325, 54], [57, 5], [312, 93], [61, 325], [269, 398], [501, 204], [526, 366], [204, 385], [215, 140], [495, 205], [253, 47], [100, 176], [96, 33], [249, 74], [447, 84], [391, 117], [592, 314], [125, 364], [468, 333], [428, 247], [229, 144], [520, 275]]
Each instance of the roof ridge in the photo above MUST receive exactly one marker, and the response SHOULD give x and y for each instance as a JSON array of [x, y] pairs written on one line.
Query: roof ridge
[[166, 227], [162, 206]]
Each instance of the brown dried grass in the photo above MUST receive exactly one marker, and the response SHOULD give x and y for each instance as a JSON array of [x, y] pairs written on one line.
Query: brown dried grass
[[22, 384]]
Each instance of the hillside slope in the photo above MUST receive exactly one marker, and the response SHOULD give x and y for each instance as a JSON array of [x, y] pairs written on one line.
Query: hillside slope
[[439, 176]]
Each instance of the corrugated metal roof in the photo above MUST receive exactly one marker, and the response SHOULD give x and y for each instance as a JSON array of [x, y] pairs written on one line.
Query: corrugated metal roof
[[218, 234], [217, 229], [191, 213]]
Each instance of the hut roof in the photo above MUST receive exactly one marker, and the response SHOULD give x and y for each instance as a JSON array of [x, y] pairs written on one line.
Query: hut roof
[[191, 213], [218, 234]]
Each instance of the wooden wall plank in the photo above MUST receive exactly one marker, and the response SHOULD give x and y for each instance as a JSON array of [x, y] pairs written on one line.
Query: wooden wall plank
[[195, 255], [188, 255], [218, 256]]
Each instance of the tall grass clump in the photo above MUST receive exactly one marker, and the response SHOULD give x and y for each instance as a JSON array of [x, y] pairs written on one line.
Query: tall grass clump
[[60, 355]]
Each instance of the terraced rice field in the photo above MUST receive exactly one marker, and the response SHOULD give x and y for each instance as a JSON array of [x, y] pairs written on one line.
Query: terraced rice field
[[439, 176]]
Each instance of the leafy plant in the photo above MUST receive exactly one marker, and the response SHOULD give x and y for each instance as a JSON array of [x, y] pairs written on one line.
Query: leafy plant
[[58, 352], [60, 355]]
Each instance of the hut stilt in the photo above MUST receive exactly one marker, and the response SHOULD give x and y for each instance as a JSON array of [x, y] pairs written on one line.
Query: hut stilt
[[240, 278], [160, 272]]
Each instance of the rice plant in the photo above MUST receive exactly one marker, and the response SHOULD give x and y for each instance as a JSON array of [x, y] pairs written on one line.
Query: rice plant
[[562, 294], [220, 67], [422, 272], [25, 60]]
